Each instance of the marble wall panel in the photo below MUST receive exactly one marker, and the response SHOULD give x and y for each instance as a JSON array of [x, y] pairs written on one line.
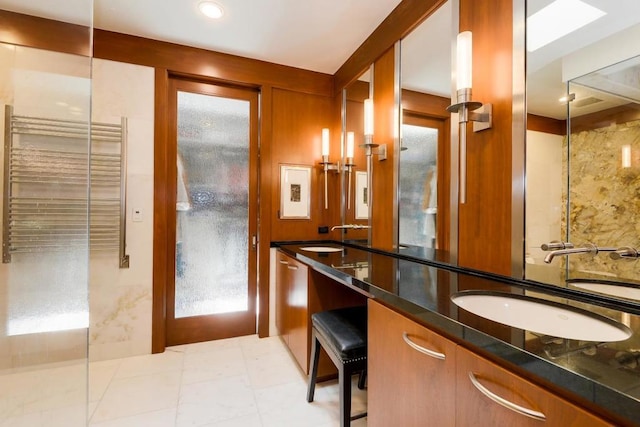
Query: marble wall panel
[[120, 299], [604, 196]]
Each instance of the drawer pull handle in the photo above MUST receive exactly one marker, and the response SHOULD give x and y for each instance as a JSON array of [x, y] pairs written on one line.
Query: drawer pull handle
[[421, 349], [292, 267], [283, 262], [504, 402]]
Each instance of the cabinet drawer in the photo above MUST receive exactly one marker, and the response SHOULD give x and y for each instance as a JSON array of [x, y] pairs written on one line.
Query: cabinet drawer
[[522, 403], [411, 372]]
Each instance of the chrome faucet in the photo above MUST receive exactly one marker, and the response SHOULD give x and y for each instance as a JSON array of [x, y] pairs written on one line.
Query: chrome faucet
[[350, 227], [625, 252], [555, 245], [588, 248]]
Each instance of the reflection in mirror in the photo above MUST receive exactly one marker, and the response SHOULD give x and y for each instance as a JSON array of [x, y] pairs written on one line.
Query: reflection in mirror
[[355, 189], [582, 173], [426, 87]]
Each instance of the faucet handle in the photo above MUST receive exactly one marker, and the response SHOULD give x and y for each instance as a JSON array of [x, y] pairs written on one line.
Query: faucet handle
[[625, 252], [555, 245]]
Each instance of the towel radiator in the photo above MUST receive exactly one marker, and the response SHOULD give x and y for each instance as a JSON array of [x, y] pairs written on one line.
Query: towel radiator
[[47, 174]]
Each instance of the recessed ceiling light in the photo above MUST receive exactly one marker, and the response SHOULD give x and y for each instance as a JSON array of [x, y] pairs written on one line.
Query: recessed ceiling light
[[557, 20], [211, 9]]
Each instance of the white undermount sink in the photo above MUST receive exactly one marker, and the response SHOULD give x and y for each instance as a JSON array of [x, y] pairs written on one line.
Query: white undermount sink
[[542, 316], [612, 289], [321, 249]]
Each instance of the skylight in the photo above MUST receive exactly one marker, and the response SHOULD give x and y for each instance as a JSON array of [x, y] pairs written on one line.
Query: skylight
[[557, 20]]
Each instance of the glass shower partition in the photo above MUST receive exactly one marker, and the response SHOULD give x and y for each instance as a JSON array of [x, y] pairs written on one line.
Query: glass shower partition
[[602, 163], [44, 306]]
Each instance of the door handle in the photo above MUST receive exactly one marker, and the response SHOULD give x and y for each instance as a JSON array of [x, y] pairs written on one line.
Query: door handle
[[254, 242]]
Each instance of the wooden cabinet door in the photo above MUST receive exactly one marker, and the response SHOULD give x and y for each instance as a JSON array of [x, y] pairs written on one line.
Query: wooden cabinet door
[[282, 284], [298, 312], [476, 408], [408, 387]]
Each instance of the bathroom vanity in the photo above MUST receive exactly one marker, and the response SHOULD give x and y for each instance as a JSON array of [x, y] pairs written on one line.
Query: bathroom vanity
[[432, 361]]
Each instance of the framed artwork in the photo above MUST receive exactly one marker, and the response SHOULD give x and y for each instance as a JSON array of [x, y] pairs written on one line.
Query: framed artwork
[[362, 196], [295, 189]]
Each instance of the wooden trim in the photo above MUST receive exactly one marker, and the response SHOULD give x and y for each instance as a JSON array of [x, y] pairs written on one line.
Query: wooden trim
[[425, 104], [159, 315], [200, 62], [616, 115], [384, 218], [264, 221], [546, 124], [47, 34], [404, 18]]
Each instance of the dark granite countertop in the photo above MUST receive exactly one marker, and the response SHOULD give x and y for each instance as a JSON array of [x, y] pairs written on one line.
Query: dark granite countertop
[[605, 374]]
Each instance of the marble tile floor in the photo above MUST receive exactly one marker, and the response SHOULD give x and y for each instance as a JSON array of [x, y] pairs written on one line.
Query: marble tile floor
[[239, 382]]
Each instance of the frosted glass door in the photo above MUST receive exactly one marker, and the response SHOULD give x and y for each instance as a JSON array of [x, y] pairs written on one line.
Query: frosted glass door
[[211, 177], [418, 194], [212, 205]]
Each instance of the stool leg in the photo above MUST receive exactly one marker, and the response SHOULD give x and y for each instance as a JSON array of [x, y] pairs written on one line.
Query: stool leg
[[361, 379], [315, 354], [344, 382]]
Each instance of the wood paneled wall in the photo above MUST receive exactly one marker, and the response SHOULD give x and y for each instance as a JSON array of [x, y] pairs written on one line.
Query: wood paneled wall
[[207, 64], [40, 33], [484, 229], [297, 121], [546, 124], [384, 218]]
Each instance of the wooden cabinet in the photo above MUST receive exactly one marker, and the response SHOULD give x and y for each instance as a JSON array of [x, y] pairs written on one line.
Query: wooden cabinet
[[300, 292], [411, 372], [478, 404], [410, 386], [292, 318]]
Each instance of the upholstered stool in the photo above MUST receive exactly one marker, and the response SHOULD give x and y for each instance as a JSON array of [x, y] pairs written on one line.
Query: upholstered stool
[[343, 335]]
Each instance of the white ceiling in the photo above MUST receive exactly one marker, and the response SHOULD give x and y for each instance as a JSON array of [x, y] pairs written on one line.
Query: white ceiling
[[545, 83], [320, 35], [317, 35]]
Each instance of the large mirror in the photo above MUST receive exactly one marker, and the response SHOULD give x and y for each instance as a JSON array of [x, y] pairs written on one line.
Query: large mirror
[[424, 129], [355, 186], [583, 170], [425, 79]]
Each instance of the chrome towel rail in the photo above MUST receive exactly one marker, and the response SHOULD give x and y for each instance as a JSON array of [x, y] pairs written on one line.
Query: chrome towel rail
[[47, 171]]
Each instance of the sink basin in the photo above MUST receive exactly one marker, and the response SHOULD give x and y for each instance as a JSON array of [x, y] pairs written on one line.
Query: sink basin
[[542, 316], [321, 249], [614, 289]]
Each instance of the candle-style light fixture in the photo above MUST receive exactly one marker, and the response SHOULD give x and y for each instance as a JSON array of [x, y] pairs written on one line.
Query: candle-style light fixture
[[467, 109], [349, 165], [326, 164], [369, 145]]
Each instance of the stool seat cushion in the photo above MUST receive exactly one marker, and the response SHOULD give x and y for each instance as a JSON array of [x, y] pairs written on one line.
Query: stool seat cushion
[[345, 329]]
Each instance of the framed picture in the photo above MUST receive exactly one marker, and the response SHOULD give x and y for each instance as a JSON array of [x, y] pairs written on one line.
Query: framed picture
[[362, 196], [295, 189]]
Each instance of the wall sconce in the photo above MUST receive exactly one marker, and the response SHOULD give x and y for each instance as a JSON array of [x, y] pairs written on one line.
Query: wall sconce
[[349, 165], [467, 109], [368, 133], [326, 164]]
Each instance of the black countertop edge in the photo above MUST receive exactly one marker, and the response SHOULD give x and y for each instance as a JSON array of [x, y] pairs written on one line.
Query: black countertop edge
[[610, 400], [601, 300]]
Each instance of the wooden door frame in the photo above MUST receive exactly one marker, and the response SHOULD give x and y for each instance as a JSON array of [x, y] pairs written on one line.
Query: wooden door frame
[[164, 153], [443, 222]]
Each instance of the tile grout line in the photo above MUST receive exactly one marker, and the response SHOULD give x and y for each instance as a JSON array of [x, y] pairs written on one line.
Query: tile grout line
[[184, 356]]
